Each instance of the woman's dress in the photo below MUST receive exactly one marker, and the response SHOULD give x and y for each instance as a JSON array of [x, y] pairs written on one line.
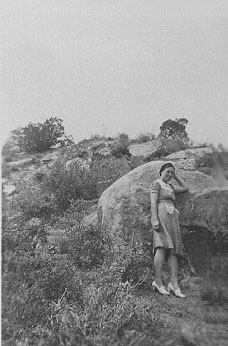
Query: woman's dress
[[169, 236]]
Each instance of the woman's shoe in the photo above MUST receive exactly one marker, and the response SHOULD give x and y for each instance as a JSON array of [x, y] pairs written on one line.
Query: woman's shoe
[[160, 289], [176, 292]]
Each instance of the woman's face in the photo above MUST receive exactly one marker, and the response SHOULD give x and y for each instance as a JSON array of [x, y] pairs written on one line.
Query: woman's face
[[167, 174]]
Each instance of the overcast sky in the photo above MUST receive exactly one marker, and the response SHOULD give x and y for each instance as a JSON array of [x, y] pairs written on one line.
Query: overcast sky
[[112, 66]]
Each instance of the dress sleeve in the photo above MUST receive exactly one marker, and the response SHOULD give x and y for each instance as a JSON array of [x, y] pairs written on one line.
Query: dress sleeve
[[155, 187]]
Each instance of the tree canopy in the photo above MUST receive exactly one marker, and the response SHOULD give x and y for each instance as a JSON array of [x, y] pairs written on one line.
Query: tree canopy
[[41, 136], [173, 129]]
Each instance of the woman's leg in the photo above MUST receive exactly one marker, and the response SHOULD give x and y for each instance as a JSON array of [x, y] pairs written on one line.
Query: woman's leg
[[158, 264], [173, 265]]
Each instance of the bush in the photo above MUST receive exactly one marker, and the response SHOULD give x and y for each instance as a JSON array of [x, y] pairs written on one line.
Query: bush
[[53, 192], [67, 184], [78, 182], [85, 246], [33, 201], [41, 136], [120, 147]]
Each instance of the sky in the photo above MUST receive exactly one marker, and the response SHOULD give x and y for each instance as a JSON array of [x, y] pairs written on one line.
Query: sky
[[112, 66]]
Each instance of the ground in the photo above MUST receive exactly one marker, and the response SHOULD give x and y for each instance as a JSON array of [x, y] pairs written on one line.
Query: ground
[[189, 321]]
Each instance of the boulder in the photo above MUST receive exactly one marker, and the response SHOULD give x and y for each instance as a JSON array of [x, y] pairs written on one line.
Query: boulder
[[187, 159], [125, 206], [206, 160], [145, 149]]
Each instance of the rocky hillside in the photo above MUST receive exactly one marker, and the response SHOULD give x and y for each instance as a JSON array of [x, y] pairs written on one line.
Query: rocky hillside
[[77, 264]]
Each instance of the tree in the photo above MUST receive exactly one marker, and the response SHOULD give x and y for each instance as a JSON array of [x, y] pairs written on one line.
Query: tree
[[173, 129], [41, 136]]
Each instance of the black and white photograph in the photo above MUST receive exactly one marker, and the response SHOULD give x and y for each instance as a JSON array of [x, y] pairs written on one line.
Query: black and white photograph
[[114, 142]]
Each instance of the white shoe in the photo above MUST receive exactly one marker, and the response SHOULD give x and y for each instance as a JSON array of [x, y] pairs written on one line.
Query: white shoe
[[176, 292], [160, 289]]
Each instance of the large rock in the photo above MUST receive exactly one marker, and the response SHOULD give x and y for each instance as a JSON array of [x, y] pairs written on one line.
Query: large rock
[[145, 149], [190, 159], [187, 159], [125, 206], [205, 160]]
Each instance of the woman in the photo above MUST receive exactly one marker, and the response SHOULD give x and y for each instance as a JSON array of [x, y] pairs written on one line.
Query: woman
[[167, 240]]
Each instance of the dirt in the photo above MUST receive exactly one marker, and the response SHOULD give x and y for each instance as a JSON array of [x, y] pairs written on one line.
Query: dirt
[[189, 321]]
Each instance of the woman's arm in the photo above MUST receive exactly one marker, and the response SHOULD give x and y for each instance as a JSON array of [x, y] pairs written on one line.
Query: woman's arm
[[154, 211], [182, 185]]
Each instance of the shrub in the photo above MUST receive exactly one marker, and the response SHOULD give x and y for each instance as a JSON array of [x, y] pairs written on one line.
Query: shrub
[[53, 192], [41, 136], [78, 182], [33, 201], [120, 146], [67, 184], [85, 246], [119, 151]]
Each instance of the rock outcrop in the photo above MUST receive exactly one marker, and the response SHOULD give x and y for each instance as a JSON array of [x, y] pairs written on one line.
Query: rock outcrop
[[125, 206], [187, 159], [145, 149]]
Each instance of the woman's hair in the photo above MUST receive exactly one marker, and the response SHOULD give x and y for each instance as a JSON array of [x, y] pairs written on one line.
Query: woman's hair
[[166, 165]]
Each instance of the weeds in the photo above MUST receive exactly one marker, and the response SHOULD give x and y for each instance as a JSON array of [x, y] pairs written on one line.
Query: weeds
[[80, 292]]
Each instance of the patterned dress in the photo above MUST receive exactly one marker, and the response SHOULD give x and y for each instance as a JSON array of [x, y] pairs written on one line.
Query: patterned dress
[[169, 236]]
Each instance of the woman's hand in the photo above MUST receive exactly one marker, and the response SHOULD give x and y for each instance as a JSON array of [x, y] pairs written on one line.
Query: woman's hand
[[156, 225], [182, 185], [175, 177]]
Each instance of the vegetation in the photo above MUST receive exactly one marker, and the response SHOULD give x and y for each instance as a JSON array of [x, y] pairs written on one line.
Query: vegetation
[[143, 138], [53, 192], [172, 129], [63, 282], [72, 293], [120, 147], [40, 137]]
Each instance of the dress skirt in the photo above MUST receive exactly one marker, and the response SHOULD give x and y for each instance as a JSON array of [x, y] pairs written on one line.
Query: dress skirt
[[169, 236]]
